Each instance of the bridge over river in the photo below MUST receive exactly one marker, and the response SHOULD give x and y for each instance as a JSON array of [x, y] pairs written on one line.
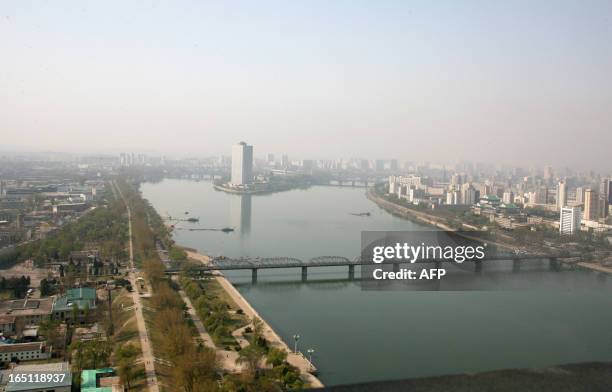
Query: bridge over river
[[256, 263]]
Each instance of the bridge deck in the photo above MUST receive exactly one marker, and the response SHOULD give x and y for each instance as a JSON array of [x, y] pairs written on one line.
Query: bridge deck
[[336, 261]]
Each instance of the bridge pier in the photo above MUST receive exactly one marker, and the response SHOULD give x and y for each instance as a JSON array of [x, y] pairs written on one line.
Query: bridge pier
[[396, 267], [351, 272], [304, 274], [478, 266], [254, 275], [353, 183], [438, 264]]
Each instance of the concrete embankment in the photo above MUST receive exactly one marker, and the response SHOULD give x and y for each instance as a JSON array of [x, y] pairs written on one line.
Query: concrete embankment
[[298, 360], [595, 267]]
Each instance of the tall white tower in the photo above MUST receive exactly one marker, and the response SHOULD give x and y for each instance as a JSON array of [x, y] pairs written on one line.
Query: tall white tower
[[242, 164]]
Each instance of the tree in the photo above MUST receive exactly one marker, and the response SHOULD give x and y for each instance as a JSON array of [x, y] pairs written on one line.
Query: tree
[[257, 329], [49, 328], [251, 356], [125, 358], [276, 356], [196, 369], [75, 313], [86, 311]]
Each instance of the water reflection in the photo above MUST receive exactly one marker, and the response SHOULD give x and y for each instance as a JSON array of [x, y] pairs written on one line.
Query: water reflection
[[240, 213]]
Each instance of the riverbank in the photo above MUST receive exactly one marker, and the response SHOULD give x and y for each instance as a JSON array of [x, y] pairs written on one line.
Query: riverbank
[[595, 267], [405, 212], [298, 360]]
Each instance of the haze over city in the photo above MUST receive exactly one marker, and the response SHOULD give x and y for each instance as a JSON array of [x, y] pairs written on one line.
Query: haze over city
[[490, 82]]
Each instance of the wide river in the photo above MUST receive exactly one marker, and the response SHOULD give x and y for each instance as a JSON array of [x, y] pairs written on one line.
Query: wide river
[[361, 335]]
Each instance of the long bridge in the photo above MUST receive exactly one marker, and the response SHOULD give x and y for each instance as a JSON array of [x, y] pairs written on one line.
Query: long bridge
[[257, 263]]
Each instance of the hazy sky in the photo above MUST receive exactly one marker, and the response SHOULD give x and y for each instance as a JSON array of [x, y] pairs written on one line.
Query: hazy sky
[[523, 81]]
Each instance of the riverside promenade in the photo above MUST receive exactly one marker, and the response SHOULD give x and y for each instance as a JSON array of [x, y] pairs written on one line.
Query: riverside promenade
[[298, 360]]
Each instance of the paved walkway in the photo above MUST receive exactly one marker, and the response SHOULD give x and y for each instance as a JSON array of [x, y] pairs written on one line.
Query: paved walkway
[[298, 360], [227, 359], [147, 352]]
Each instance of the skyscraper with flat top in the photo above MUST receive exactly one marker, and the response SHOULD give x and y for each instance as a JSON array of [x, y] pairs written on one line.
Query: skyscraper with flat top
[[590, 205], [561, 195], [242, 164]]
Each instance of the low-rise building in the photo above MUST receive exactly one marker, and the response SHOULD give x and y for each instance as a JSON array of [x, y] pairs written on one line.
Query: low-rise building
[[100, 380], [7, 324], [27, 311], [23, 352], [80, 300], [56, 384]]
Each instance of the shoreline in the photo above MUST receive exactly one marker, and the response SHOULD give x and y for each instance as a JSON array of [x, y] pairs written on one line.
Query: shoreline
[[225, 189], [405, 212], [424, 218], [297, 360]]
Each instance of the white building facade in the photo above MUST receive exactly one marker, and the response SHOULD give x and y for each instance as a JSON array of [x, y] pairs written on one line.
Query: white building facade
[[242, 164], [569, 220]]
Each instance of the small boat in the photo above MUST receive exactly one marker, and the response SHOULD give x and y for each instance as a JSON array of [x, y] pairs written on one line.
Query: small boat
[[186, 212], [361, 214], [193, 220], [227, 229]]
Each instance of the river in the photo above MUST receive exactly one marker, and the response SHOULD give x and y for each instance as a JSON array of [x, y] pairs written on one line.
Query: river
[[363, 335]]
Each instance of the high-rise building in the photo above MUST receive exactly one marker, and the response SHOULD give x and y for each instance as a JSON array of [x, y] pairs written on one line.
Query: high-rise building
[[569, 220], [393, 165], [468, 194], [270, 158], [561, 195], [540, 196], [379, 165], [579, 195], [284, 161], [450, 197], [602, 207], [508, 197], [605, 189], [591, 211], [242, 164], [548, 174]]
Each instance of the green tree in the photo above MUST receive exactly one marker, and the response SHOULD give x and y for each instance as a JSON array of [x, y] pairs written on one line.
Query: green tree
[[276, 356], [251, 357], [75, 313]]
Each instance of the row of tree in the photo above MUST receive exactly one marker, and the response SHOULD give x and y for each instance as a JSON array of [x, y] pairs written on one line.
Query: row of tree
[[18, 286], [195, 368]]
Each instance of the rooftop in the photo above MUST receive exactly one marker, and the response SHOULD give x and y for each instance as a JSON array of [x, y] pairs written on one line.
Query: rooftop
[[90, 379], [18, 347], [81, 297], [56, 367], [26, 307]]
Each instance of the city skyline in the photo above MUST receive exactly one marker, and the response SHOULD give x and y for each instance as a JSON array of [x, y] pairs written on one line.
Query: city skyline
[[496, 83]]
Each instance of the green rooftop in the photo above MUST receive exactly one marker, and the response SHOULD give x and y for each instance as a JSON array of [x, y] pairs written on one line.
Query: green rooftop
[[89, 380], [82, 297]]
